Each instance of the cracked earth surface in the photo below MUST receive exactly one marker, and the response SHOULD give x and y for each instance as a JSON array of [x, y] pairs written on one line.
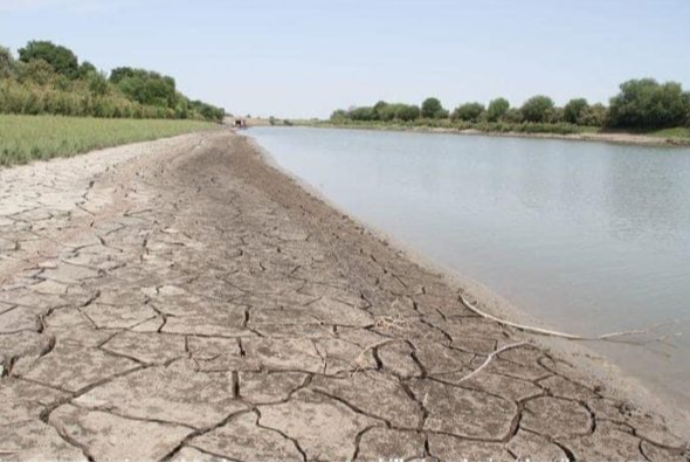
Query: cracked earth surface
[[182, 300]]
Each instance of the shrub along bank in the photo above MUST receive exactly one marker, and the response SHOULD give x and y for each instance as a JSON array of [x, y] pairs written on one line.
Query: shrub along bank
[[642, 105], [50, 79]]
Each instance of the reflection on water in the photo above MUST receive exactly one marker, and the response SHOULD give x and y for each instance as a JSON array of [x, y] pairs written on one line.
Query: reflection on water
[[590, 237]]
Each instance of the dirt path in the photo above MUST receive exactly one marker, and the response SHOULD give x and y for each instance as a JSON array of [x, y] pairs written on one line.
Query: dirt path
[[181, 300]]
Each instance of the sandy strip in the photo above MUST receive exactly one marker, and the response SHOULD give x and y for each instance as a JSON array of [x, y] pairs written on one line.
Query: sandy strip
[[184, 300]]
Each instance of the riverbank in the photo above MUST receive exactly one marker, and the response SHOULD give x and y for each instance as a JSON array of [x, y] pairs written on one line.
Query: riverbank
[[187, 296], [659, 139], [555, 227]]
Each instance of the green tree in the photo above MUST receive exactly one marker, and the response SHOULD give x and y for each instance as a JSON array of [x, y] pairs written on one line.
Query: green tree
[[646, 104], [146, 87], [7, 64], [35, 87], [537, 109], [380, 110], [86, 68], [36, 71], [339, 116], [557, 115], [182, 107], [208, 111], [574, 109], [120, 73], [98, 84], [363, 114], [387, 113], [513, 116], [433, 109], [407, 112], [497, 109], [61, 59], [594, 116], [469, 112]]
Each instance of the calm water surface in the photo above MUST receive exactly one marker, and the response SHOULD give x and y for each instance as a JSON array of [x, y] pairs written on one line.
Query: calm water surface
[[590, 237]]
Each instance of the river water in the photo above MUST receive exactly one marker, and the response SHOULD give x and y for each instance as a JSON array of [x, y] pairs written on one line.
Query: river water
[[589, 237]]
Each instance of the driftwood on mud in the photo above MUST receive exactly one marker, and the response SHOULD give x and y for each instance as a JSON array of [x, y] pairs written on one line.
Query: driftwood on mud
[[490, 358], [553, 333]]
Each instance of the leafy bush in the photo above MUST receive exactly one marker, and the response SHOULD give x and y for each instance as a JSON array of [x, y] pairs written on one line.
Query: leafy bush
[[61, 59], [497, 109], [407, 112], [49, 80], [98, 84], [469, 112], [513, 116], [646, 104], [382, 111], [363, 113], [557, 116], [86, 68], [339, 116], [641, 105], [207, 111], [145, 87], [7, 63], [433, 109], [386, 112], [574, 109], [537, 109], [37, 71], [34, 99], [593, 116]]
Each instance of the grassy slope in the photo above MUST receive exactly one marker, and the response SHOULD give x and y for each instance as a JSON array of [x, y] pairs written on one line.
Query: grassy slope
[[27, 138], [680, 133]]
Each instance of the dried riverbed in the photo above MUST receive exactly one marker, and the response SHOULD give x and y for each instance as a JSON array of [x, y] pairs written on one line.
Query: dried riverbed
[[182, 300]]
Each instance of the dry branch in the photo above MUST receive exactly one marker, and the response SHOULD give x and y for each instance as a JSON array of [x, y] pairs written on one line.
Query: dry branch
[[552, 333], [490, 358]]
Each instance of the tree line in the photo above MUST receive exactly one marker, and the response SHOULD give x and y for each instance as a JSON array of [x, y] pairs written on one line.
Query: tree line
[[49, 79], [642, 104]]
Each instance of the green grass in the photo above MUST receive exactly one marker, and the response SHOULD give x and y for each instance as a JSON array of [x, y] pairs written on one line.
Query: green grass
[[27, 138], [670, 133], [446, 124], [679, 136]]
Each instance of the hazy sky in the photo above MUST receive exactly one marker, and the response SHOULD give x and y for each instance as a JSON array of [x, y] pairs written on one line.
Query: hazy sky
[[304, 58]]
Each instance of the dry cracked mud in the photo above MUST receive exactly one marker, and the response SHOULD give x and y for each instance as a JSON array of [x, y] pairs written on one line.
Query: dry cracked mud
[[183, 300]]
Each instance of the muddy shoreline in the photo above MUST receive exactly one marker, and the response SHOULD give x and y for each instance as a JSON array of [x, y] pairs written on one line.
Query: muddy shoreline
[[656, 394], [674, 408], [186, 296]]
